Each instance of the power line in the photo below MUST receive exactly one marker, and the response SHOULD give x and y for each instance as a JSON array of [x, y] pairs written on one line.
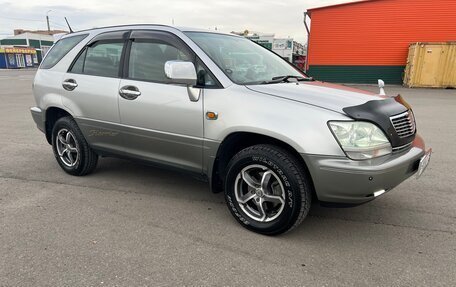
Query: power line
[[57, 24], [22, 19], [33, 20]]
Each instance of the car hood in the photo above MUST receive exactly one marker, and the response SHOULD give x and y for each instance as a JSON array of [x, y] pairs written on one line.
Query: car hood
[[325, 95]]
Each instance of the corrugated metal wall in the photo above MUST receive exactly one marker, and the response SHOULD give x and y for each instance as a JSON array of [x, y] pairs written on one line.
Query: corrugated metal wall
[[370, 39]]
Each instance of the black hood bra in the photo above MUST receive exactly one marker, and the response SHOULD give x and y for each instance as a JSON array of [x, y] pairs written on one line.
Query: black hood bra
[[380, 113]]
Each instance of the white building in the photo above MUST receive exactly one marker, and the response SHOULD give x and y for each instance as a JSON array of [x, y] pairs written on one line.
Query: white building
[[42, 43], [284, 47], [265, 40]]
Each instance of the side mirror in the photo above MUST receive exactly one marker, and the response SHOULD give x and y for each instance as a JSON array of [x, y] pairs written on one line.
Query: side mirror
[[181, 72]]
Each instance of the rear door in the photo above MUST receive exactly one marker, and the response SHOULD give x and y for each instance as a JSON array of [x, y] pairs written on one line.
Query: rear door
[[91, 90], [160, 122]]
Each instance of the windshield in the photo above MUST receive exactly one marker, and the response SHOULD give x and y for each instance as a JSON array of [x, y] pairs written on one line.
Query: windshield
[[242, 60]]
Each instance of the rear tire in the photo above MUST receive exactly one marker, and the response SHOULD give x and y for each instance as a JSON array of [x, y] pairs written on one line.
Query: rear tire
[[71, 150], [267, 189]]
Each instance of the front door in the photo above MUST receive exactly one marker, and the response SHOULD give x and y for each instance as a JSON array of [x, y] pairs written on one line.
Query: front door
[[20, 61], [160, 122]]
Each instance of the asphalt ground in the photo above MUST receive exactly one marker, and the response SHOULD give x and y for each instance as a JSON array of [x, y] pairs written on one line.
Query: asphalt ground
[[133, 225]]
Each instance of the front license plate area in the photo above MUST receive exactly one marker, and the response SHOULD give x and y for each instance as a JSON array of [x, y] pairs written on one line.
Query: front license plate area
[[424, 162]]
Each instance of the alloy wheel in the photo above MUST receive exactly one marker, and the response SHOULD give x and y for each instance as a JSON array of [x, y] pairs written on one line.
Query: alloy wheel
[[260, 193], [67, 147]]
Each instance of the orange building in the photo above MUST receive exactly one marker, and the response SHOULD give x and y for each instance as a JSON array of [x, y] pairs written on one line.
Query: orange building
[[363, 41]]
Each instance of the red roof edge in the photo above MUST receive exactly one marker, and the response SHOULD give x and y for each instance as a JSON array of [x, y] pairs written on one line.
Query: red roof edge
[[309, 11]]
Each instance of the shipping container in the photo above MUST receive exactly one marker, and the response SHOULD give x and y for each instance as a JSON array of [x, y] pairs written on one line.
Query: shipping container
[[431, 65]]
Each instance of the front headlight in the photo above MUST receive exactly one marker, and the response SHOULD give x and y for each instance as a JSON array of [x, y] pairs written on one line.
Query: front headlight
[[360, 140]]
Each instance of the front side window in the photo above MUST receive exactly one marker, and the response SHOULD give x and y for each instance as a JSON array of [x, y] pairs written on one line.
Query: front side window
[[60, 49], [243, 61], [100, 59], [148, 58], [204, 78]]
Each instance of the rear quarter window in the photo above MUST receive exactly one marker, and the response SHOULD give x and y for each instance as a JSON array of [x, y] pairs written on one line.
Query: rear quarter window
[[59, 50]]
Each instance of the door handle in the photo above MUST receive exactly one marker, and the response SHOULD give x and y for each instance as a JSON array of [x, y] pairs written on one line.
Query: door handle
[[129, 92], [69, 84]]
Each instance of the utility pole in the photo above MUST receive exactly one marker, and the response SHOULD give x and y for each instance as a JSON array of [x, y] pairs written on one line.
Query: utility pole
[[47, 21]]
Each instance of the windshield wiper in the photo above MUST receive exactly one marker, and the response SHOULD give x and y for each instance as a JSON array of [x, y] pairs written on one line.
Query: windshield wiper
[[286, 79]]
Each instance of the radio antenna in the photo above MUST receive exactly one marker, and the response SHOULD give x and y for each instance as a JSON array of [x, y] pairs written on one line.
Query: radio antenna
[[69, 27]]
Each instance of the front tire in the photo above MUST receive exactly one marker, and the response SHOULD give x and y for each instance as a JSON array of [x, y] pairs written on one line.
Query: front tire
[[267, 189], [71, 150]]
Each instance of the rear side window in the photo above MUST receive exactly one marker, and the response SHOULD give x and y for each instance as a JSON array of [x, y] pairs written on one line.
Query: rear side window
[[101, 59], [60, 49]]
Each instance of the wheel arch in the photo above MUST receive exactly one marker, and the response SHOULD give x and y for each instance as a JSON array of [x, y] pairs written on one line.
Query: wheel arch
[[52, 114], [235, 142]]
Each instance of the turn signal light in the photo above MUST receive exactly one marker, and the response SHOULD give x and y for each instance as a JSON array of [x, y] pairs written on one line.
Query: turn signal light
[[211, 116]]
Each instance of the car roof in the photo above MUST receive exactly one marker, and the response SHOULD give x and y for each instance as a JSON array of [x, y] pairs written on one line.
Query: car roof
[[146, 26]]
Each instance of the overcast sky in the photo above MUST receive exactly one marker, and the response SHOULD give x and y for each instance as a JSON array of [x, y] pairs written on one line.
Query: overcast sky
[[282, 17]]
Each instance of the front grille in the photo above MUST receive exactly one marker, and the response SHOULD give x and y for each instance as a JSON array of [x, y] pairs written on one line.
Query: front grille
[[404, 124], [402, 148]]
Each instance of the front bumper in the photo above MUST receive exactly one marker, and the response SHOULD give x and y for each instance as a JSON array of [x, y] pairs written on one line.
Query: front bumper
[[38, 117], [344, 181]]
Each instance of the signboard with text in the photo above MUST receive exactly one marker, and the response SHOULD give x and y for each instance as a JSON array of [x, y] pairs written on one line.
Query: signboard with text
[[16, 50]]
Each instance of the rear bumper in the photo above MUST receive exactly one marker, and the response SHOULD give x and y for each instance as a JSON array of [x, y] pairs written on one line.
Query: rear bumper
[[38, 117], [345, 181]]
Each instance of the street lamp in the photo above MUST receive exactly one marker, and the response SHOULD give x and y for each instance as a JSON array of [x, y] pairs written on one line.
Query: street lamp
[[47, 21]]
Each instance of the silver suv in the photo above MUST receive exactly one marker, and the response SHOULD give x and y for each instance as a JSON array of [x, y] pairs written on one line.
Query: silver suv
[[227, 110]]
